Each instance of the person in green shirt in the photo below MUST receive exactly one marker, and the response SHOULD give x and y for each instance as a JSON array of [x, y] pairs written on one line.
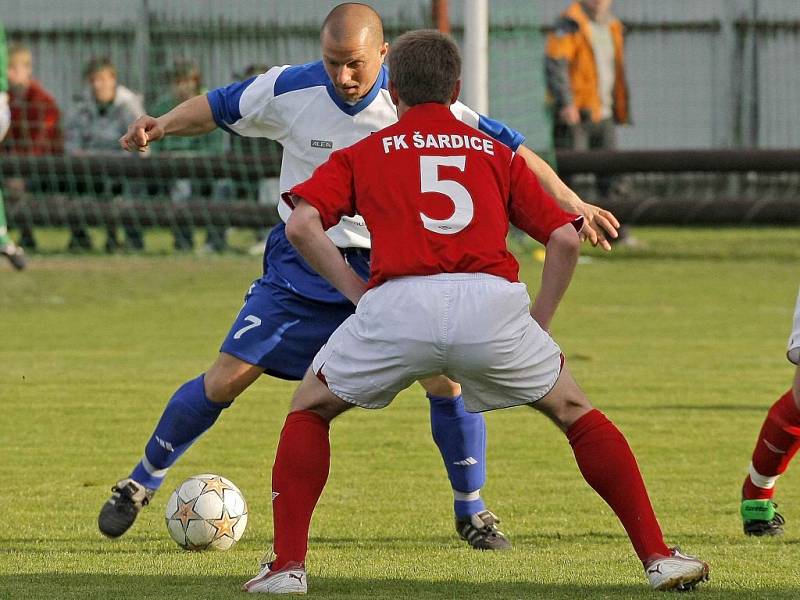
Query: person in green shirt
[[7, 248], [186, 82]]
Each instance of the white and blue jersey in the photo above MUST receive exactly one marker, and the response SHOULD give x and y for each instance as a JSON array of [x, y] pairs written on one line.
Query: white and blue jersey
[[298, 107], [291, 311]]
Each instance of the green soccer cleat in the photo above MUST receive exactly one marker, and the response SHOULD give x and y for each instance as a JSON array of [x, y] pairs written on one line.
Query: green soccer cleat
[[760, 518], [480, 531]]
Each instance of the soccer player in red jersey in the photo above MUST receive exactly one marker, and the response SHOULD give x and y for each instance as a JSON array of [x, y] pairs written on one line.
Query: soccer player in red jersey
[[778, 442], [443, 298]]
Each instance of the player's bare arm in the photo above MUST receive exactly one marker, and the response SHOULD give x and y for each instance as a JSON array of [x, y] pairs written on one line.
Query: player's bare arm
[[304, 231], [563, 249], [192, 117], [599, 224]]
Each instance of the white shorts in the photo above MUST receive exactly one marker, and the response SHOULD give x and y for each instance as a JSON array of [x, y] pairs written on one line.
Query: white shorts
[[793, 351], [474, 328]]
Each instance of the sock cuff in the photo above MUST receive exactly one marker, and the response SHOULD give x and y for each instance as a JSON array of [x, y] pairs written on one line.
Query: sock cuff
[[209, 404], [466, 496], [588, 422], [446, 403], [306, 416]]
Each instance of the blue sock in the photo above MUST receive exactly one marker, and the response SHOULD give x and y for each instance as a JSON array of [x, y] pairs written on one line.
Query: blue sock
[[188, 414], [461, 437]]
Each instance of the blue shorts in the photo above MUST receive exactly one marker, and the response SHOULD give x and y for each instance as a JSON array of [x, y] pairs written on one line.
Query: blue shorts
[[290, 313], [282, 331]]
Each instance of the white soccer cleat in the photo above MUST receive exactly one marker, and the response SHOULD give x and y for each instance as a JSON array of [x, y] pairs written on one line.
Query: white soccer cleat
[[291, 579], [677, 572]]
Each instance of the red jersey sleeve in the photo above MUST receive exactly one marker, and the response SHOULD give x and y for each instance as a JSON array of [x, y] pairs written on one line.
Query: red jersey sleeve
[[330, 189], [532, 209]]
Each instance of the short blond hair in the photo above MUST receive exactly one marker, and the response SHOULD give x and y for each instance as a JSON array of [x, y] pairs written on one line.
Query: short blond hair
[[17, 48]]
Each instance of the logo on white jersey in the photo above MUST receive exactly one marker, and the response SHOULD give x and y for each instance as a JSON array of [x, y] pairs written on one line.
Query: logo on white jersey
[[322, 144], [467, 462]]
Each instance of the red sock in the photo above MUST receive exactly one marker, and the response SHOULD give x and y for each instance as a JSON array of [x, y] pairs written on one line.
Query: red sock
[[608, 465], [298, 477], [778, 442]]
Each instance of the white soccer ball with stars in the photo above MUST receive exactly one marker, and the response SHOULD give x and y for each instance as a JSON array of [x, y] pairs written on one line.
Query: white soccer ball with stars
[[206, 512]]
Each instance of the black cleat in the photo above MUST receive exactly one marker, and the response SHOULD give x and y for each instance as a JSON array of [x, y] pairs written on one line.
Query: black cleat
[[480, 531], [120, 511], [760, 518], [15, 254]]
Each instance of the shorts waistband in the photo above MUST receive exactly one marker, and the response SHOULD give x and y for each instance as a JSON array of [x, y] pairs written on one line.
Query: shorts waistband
[[450, 277]]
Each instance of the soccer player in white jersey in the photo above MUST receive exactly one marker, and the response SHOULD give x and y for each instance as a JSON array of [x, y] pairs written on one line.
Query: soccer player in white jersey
[[778, 442], [443, 298], [290, 311]]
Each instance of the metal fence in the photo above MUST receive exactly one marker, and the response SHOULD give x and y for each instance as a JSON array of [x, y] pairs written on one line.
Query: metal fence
[[716, 73]]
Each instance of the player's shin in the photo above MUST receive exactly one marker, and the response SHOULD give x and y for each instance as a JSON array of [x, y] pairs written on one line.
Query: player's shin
[[299, 474], [461, 438], [188, 414], [608, 465], [778, 442]]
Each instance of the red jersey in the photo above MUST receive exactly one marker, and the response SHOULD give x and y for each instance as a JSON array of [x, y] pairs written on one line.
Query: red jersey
[[437, 197]]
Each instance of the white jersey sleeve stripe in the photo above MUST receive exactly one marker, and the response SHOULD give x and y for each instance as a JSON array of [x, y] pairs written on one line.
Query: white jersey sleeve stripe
[[496, 129], [243, 107]]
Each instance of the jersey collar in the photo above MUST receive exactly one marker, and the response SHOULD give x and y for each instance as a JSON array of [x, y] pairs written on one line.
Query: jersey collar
[[382, 82], [428, 110]]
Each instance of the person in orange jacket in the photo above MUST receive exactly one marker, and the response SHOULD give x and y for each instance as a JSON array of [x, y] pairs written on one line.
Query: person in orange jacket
[[585, 72], [586, 75]]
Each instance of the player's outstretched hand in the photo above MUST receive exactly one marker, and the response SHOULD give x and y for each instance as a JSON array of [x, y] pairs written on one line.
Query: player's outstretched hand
[[599, 225], [142, 131]]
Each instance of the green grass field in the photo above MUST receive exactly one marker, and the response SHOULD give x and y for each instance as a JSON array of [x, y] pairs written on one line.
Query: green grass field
[[681, 343]]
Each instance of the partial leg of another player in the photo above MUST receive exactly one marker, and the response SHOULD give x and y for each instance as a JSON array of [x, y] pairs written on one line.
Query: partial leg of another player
[[778, 442], [302, 462], [191, 411], [609, 467], [9, 249], [461, 438]]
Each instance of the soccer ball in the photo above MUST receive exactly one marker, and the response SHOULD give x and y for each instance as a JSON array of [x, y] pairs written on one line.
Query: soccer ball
[[206, 512]]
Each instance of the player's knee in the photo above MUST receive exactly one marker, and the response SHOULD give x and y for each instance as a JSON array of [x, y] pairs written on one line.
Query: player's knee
[[573, 408], [441, 386], [220, 388], [324, 405], [796, 388], [564, 406]]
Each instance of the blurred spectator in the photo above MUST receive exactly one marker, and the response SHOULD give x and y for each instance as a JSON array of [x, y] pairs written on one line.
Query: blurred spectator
[[95, 126], [585, 72], [186, 82], [268, 188], [35, 127], [35, 124]]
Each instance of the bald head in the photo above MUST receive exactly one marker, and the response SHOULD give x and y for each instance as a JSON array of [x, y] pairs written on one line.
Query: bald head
[[353, 21], [353, 49]]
